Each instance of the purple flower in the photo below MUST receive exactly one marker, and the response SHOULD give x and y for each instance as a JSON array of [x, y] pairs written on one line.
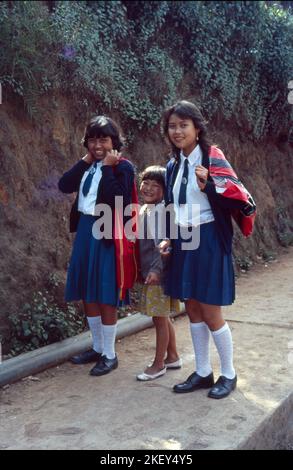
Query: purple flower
[[68, 52]]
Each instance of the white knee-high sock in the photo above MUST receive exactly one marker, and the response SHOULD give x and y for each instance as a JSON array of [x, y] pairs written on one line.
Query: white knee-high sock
[[224, 345], [109, 334], [95, 324], [200, 337]]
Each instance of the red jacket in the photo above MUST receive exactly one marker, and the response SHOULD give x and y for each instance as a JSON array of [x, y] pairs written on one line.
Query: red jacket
[[228, 185], [126, 250]]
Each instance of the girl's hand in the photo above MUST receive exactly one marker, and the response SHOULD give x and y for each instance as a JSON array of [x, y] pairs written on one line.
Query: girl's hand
[[152, 279], [112, 158], [165, 247], [201, 176], [88, 158]]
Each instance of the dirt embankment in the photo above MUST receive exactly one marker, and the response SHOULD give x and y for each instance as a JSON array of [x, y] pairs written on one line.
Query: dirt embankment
[[34, 238]]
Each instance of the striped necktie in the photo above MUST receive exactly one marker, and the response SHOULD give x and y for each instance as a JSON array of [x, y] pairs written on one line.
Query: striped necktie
[[88, 181], [183, 186]]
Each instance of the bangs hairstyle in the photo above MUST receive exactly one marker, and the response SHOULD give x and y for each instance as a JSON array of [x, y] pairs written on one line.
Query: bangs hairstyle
[[156, 173], [187, 110], [103, 126]]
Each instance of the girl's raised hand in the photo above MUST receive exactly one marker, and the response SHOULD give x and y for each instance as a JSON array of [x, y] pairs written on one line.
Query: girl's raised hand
[[88, 158], [165, 247], [112, 158], [201, 176]]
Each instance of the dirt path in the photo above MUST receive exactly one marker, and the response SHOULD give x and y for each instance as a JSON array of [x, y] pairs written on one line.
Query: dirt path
[[65, 408]]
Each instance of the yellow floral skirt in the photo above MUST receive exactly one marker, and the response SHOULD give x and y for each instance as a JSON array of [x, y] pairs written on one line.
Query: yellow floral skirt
[[154, 303]]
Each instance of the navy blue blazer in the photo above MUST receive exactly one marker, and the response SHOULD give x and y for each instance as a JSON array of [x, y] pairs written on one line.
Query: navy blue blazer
[[220, 205], [117, 182]]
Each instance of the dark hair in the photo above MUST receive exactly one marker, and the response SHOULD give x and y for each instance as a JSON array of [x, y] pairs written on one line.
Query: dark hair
[[188, 110], [154, 172], [103, 126]]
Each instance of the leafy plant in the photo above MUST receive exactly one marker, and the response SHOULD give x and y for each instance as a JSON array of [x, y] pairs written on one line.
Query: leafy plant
[[134, 56], [42, 322], [27, 56]]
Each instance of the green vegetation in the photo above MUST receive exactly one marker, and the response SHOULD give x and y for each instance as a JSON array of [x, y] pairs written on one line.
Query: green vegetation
[[44, 320], [236, 58]]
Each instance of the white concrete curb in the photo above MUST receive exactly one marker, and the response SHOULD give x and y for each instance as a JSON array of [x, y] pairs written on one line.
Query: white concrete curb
[[54, 354]]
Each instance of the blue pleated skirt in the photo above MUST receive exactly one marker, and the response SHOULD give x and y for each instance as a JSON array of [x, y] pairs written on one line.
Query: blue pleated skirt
[[205, 274], [92, 273]]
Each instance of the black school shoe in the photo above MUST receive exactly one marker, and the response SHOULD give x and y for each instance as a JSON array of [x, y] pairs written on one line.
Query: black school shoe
[[86, 357], [223, 387], [194, 382], [104, 366]]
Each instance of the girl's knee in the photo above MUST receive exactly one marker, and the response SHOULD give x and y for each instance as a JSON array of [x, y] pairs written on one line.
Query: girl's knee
[[160, 321], [214, 323]]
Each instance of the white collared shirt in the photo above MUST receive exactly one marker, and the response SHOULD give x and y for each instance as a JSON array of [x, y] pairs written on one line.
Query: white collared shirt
[[197, 209], [87, 204]]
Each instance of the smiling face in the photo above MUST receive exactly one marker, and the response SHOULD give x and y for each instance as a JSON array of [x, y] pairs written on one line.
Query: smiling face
[[182, 133], [151, 191], [99, 146]]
